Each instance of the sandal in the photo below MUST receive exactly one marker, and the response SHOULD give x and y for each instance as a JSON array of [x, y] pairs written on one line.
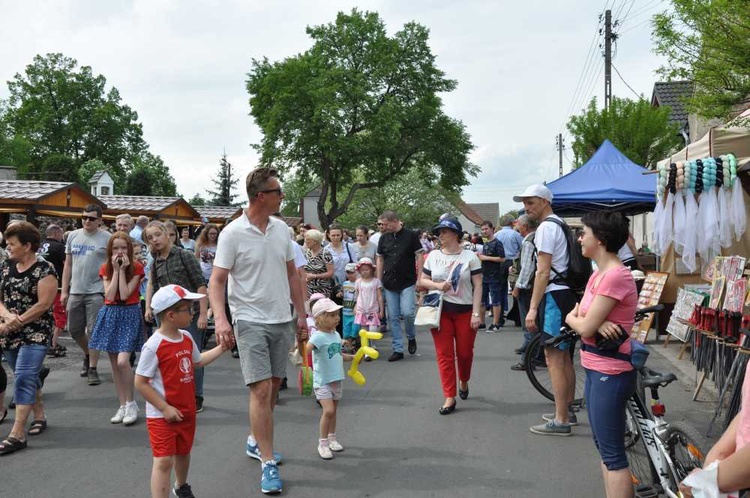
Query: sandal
[[11, 445], [37, 427]]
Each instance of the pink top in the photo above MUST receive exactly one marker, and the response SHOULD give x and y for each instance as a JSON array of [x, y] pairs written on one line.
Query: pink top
[[617, 284], [742, 438]]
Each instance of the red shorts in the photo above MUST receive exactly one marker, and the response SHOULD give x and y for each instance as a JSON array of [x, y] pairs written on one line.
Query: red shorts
[[170, 438], [58, 311]]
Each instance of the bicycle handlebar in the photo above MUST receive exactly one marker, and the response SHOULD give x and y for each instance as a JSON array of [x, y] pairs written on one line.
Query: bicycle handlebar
[[567, 334]]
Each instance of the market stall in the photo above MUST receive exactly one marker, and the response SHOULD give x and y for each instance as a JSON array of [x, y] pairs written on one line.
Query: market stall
[[609, 180], [156, 208], [33, 198], [700, 223]]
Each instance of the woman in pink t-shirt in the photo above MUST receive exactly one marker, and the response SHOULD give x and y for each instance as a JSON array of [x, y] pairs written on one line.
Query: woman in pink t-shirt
[[608, 304]]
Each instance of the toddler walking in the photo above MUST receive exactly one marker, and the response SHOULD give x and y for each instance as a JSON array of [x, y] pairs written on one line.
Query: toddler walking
[[165, 377], [328, 372]]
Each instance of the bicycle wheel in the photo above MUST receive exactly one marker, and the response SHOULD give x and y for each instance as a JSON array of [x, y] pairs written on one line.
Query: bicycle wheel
[[684, 449], [642, 471], [539, 376]]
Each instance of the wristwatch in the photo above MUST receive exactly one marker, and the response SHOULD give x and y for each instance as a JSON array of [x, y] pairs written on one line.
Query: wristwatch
[[475, 314]]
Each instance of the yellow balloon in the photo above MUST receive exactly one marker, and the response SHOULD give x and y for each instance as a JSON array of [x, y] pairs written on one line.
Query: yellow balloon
[[365, 349]]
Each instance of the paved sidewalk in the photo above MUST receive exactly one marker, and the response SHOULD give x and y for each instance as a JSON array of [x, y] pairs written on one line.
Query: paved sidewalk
[[397, 445]]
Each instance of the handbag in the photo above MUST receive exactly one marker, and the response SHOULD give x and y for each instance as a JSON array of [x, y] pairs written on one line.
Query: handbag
[[428, 314]]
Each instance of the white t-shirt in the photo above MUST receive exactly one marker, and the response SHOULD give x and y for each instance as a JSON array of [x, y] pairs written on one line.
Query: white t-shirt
[[625, 253], [551, 239], [375, 238], [439, 267], [258, 281], [299, 256]]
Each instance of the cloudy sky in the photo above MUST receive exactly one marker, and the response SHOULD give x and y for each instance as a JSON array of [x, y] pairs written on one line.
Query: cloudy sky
[[522, 68]]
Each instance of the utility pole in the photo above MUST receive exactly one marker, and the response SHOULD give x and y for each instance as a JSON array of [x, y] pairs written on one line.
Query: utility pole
[[607, 58], [560, 146]]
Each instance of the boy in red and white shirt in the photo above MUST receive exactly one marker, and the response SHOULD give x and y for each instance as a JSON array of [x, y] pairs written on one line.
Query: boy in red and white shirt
[[165, 379]]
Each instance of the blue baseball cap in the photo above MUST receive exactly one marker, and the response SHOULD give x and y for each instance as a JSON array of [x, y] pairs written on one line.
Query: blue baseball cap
[[450, 223]]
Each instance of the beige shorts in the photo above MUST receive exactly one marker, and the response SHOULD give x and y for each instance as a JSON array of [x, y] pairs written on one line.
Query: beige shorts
[[333, 391]]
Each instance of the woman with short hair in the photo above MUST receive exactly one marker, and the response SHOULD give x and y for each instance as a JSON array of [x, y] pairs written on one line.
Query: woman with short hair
[[319, 267], [606, 312], [29, 287]]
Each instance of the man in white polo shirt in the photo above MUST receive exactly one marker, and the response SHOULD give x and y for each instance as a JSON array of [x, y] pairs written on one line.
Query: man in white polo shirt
[[255, 255]]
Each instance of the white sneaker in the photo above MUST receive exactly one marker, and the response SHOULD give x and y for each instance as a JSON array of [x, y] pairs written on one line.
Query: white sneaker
[[324, 452], [131, 414], [334, 445], [117, 419]]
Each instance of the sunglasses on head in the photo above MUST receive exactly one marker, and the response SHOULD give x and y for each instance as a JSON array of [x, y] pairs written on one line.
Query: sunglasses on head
[[89, 218]]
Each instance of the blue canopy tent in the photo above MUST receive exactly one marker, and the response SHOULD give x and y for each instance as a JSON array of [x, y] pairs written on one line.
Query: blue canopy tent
[[610, 181]]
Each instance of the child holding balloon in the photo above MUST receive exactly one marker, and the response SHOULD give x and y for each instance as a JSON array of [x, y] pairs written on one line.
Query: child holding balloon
[[328, 372]]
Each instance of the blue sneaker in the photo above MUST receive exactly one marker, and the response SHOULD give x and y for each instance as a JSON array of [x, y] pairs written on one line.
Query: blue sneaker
[[254, 452], [270, 483]]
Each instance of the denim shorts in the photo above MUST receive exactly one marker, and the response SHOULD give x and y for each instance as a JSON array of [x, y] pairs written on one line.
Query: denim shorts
[[491, 294], [26, 363], [606, 398]]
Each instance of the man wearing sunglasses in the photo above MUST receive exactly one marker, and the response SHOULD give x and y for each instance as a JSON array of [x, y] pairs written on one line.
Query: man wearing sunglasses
[[255, 257], [82, 288]]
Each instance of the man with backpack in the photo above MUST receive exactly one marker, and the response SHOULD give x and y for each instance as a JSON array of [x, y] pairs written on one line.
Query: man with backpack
[[552, 298]]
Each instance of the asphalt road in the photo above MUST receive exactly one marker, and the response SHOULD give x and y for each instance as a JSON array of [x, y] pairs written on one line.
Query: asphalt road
[[397, 445]]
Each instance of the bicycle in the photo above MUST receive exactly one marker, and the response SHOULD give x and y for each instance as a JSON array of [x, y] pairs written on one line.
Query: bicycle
[[536, 370], [660, 454]]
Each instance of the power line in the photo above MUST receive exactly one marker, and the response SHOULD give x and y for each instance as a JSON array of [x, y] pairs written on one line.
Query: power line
[[623, 80]]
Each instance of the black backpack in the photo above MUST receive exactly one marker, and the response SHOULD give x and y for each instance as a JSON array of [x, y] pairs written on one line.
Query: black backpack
[[579, 266]]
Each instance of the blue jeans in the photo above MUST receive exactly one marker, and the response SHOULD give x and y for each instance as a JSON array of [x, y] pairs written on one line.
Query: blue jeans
[[26, 363], [606, 397], [524, 302], [401, 304]]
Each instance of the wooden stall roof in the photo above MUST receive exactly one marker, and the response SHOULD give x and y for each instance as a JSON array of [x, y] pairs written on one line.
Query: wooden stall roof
[[219, 214], [48, 198], [165, 208]]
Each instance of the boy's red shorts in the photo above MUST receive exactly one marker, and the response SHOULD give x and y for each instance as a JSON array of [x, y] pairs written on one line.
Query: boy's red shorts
[[170, 438], [58, 312]]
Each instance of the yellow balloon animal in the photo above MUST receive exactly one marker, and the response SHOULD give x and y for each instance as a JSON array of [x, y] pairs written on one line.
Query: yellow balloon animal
[[365, 349]]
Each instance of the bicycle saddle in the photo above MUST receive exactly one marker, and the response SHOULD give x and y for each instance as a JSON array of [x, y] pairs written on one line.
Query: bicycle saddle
[[652, 378]]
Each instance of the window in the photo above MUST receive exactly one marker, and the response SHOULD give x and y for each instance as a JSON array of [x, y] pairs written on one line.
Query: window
[[104, 191]]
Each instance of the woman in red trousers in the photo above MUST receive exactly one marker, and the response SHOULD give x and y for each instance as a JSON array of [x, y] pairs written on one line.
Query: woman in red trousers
[[457, 273]]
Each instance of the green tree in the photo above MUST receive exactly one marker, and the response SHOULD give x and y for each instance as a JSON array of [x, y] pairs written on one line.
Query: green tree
[[418, 204], [358, 101], [59, 110], [197, 200], [706, 41], [149, 176], [640, 131], [225, 183]]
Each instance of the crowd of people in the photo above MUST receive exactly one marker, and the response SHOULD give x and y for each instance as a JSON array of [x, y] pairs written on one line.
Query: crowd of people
[[153, 287]]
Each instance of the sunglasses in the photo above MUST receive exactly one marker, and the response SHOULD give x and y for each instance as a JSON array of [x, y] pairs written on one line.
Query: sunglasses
[[89, 218], [277, 190]]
